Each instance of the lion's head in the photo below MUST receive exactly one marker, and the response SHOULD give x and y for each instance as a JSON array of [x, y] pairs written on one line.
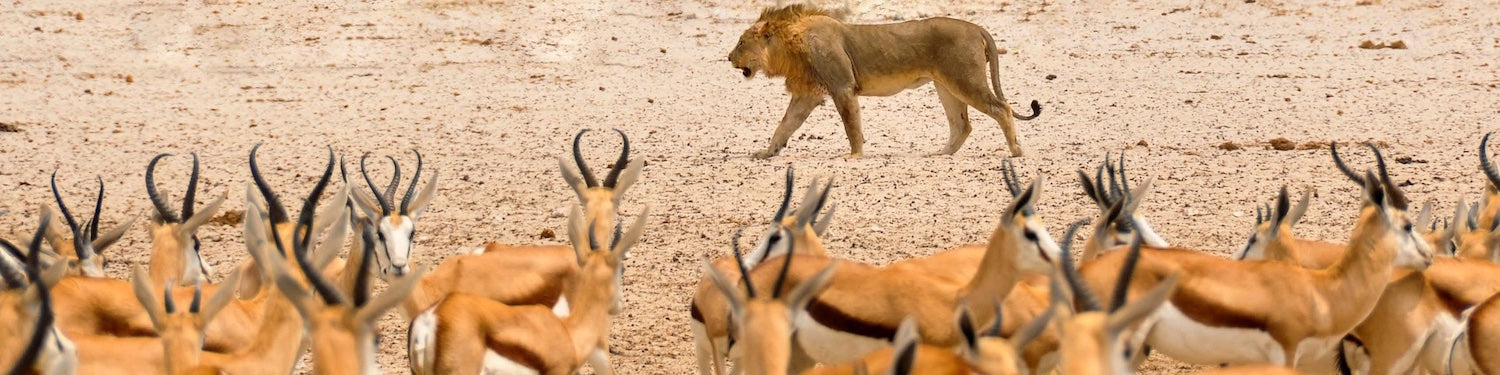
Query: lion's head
[[752, 53]]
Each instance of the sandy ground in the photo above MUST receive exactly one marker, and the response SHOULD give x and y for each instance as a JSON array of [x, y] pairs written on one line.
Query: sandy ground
[[492, 91]]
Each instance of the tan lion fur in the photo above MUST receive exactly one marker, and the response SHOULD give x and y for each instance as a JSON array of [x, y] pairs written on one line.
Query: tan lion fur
[[821, 55]]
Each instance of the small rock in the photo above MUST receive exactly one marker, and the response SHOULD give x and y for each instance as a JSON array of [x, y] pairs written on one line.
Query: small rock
[[1283, 144], [1142, 143], [548, 234], [1229, 146], [1051, 77]]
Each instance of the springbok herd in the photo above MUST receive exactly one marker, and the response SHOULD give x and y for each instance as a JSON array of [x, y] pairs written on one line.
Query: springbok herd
[[1405, 294]]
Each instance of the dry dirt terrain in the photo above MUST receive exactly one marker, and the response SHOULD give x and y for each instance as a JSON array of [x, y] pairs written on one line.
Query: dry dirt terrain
[[492, 91]]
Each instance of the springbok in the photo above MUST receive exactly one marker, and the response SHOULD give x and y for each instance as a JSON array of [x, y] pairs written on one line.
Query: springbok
[[710, 310], [342, 330], [764, 321], [174, 239], [601, 201], [1238, 312], [862, 305], [467, 334], [85, 251], [395, 224], [1093, 339], [1120, 231], [26, 302]]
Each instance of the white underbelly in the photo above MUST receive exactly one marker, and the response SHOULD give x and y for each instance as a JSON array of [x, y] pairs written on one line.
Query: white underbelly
[[495, 364], [833, 347], [1184, 339]]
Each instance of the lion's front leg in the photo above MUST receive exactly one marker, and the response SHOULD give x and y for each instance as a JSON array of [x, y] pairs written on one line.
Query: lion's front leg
[[848, 106], [801, 106]]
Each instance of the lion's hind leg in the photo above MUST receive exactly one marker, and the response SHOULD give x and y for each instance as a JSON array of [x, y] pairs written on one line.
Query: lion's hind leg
[[976, 94], [958, 120]]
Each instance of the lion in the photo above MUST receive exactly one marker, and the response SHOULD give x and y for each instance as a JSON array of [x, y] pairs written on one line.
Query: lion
[[821, 55]]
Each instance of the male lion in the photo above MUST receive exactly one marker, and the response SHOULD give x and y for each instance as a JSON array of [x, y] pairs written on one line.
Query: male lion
[[821, 55]]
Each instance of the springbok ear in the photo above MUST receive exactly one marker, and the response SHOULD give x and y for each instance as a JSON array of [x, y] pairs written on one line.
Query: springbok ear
[[419, 204], [113, 235], [1138, 195], [966, 329], [393, 296], [294, 293], [573, 179], [820, 227], [202, 217], [728, 288], [366, 203], [1140, 309], [145, 293], [626, 242], [220, 299], [906, 347], [1300, 209], [803, 294], [333, 242], [578, 233], [332, 211], [628, 177]]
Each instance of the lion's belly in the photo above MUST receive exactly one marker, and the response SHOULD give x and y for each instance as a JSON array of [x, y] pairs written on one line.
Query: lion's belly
[[887, 86]]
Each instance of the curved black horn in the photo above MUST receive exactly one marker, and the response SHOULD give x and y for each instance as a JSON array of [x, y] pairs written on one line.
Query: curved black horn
[[93, 223], [1127, 271], [193, 307], [791, 249], [1124, 182], [412, 189], [739, 260], [362, 282], [614, 172], [1333, 148], [13, 274], [162, 209], [1008, 174], [1114, 184], [192, 190], [42, 329], [1081, 292], [273, 204], [786, 198], [1484, 161], [583, 169], [302, 238], [385, 206], [166, 298], [1397, 197], [63, 207], [390, 189]]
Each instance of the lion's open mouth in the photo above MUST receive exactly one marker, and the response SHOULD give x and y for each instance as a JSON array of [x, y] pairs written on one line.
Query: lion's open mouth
[[747, 72]]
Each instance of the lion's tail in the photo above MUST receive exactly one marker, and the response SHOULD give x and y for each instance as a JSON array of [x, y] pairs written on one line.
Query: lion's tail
[[992, 53]]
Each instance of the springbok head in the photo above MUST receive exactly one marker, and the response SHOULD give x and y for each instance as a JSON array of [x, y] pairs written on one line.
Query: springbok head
[[1115, 189], [87, 243], [601, 200], [394, 224], [179, 234], [1384, 197]]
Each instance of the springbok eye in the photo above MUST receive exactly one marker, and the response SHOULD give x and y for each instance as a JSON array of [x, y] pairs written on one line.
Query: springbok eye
[[1030, 235], [1407, 227], [381, 235]]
